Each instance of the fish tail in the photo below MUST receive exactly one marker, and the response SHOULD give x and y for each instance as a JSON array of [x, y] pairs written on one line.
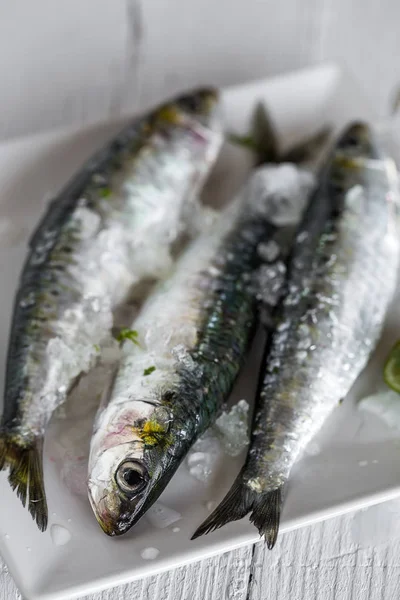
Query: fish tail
[[266, 513], [25, 465], [237, 504], [265, 509]]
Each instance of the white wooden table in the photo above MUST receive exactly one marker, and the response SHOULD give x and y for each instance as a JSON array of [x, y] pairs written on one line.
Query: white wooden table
[[82, 61], [353, 557]]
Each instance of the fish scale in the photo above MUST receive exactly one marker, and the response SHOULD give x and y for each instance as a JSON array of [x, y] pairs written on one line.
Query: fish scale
[[197, 359], [111, 227], [341, 277], [195, 329]]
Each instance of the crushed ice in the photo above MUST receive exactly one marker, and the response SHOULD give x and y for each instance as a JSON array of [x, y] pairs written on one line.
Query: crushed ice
[[162, 516], [74, 422], [285, 189], [385, 405], [231, 428], [288, 189], [227, 436], [268, 281], [268, 251]]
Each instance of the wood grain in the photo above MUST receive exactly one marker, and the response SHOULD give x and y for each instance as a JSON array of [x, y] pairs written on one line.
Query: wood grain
[[79, 62], [353, 557], [82, 61]]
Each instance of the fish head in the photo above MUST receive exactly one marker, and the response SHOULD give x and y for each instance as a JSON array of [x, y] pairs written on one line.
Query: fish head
[[359, 160], [357, 142], [201, 103], [131, 463], [354, 151], [200, 106]]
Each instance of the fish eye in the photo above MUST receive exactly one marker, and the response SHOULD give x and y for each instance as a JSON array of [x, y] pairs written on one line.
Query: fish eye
[[353, 141], [192, 103], [131, 477]]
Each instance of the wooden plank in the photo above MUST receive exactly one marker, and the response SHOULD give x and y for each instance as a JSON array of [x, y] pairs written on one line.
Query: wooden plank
[[8, 589], [353, 557], [80, 62], [218, 578], [360, 35]]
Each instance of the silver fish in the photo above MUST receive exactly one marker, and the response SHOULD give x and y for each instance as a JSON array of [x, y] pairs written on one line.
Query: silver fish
[[112, 226], [341, 278], [193, 335]]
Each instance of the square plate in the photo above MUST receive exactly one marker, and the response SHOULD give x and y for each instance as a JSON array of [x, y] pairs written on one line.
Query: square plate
[[353, 461]]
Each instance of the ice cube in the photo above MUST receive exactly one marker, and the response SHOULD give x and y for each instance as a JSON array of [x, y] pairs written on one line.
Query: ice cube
[[268, 281], [161, 516], [280, 193], [384, 405], [203, 456], [268, 251], [231, 428]]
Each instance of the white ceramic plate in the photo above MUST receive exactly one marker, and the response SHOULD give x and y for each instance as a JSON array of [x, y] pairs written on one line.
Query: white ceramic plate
[[354, 462]]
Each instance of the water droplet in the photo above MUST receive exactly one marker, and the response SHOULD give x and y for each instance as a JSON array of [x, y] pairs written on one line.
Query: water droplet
[[210, 505], [69, 520], [55, 514], [176, 529], [29, 549], [302, 355], [4, 569], [60, 535], [375, 462], [7, 536], [18, 596], [362, 463], [161, 516], [149, 553]]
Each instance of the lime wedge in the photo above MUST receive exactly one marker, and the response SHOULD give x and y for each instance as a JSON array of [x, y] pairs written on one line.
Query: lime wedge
[[391, 371]]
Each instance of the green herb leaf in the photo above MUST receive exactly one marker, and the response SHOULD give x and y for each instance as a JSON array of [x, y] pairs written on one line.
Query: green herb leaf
[[96, 347], [247, 141], [105, 192], [149, 371], [391, 371], [127, 334]]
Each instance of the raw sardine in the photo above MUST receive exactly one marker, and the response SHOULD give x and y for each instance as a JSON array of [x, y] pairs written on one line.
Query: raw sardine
[[341, 278], [193, 335], [112, 226]]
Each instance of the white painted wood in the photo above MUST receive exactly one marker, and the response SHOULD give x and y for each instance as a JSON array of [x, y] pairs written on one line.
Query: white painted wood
[[82, 61], [361, 35], [64, 63], [353, 557]]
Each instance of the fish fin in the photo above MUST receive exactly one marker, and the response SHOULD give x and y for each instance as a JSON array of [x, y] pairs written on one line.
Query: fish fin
[[25, 464], [265, 515], [237, 503], [265, 509]]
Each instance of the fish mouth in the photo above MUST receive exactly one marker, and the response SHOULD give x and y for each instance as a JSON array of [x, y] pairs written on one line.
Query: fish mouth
[[116, 527], [114, 515]]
